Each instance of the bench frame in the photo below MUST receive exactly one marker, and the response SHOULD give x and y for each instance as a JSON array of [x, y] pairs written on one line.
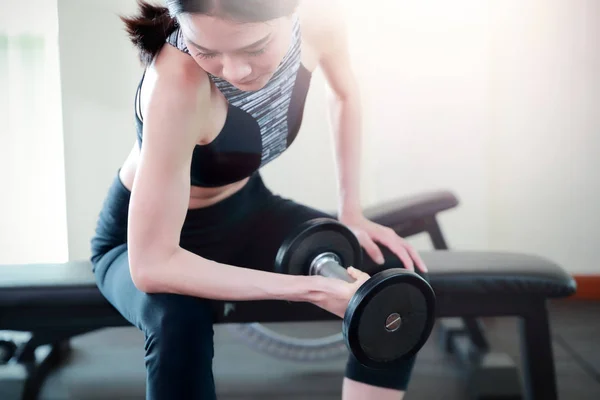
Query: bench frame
[[539, 373], [50, 328]]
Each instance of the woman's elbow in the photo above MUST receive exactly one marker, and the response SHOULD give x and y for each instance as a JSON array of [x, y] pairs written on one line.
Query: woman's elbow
[[143, 276]]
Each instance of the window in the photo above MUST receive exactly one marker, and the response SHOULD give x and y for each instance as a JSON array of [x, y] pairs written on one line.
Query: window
[[32, 188]]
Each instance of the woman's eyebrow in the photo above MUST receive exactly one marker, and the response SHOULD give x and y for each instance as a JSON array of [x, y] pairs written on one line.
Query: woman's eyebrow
[[255, 44]]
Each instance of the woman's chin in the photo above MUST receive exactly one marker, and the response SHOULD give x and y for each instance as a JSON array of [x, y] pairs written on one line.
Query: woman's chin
[[253, 85]]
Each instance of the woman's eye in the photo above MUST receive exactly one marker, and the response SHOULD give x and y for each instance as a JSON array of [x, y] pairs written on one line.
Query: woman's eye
[[257, 52], [206, 56]]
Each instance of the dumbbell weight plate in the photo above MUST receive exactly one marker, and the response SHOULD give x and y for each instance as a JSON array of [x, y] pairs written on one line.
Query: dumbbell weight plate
[[317, 236], [375, 335], [388, 293]]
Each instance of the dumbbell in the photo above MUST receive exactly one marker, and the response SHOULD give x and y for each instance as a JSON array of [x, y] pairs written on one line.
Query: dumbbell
[[389, 318]]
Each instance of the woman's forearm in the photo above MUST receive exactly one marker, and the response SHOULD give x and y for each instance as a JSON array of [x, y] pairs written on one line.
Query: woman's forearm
[[346, 122], [189, 274]]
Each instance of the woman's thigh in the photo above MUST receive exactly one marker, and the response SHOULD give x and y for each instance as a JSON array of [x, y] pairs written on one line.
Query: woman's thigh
[[274, 224], [268, 229]]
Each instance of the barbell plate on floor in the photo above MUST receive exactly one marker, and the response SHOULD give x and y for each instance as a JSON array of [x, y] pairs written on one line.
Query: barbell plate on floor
[[389, 318], [315, 237]]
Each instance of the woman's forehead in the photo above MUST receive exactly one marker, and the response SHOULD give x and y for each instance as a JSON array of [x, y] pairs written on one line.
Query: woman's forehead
[[220, 34]]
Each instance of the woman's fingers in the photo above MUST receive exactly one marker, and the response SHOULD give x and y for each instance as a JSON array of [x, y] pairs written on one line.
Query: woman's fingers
[[370, 247], [396, 244], [417, 258], [386, 236], [358, 274]]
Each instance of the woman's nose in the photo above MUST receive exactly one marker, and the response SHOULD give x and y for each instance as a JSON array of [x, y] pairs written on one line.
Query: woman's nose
[[235, 71]]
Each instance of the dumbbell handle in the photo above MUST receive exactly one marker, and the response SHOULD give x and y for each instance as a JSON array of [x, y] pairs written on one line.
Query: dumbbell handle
[[330, 266]]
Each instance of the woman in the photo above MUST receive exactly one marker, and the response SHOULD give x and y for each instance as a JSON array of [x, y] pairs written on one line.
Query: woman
[[188, 218]]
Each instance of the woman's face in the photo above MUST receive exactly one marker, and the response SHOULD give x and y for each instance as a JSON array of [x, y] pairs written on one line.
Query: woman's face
[[244, 54]]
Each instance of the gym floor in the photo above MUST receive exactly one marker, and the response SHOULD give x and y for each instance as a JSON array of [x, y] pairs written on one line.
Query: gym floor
[[109, 364]]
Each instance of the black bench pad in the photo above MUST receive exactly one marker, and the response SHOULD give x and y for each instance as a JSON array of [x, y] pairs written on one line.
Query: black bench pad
[[496, 273], [450, 273], [48, 284]]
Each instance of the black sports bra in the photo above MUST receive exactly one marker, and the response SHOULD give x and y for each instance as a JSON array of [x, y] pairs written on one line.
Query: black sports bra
[[259, 126]]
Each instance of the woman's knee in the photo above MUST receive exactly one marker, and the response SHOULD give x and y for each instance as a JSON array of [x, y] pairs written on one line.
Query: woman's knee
[[397, 378]]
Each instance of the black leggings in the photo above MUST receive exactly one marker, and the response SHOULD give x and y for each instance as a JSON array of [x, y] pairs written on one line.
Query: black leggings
[[245, 230]]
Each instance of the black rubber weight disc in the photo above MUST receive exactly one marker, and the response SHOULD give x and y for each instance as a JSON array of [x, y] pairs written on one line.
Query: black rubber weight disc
[[387, 293], [315, 237]]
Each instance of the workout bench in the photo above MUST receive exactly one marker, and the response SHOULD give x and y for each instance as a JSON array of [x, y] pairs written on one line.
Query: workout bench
[[56, 302]]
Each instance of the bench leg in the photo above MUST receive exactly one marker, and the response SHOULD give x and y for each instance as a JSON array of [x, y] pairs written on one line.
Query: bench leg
[[476, 333], [435, 234], [39, 370], [473, 326], [536, 348]]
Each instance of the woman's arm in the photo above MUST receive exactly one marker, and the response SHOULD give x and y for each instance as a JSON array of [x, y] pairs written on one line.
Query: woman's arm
[[179, 100], [346, 123], [328, 33]]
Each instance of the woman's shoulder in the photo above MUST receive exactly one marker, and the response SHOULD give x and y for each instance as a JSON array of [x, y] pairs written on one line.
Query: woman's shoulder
[[322, 22], [173, 67], [173, 81]]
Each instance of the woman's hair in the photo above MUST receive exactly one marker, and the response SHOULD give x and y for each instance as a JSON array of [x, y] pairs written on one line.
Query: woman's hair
[[149, 29]]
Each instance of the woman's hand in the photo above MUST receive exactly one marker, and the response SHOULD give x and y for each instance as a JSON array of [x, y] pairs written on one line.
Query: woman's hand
[[369, 234], [336, 297]]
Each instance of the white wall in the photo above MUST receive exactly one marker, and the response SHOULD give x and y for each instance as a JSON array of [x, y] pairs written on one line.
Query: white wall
[[426, 80], [544, 152], [457, 95], [99, 73]]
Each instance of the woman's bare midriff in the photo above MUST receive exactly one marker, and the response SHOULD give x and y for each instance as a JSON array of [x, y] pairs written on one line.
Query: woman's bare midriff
[[200, 197]]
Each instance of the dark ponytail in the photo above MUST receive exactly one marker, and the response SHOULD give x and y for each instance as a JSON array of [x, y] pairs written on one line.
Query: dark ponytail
[[149, 29]]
